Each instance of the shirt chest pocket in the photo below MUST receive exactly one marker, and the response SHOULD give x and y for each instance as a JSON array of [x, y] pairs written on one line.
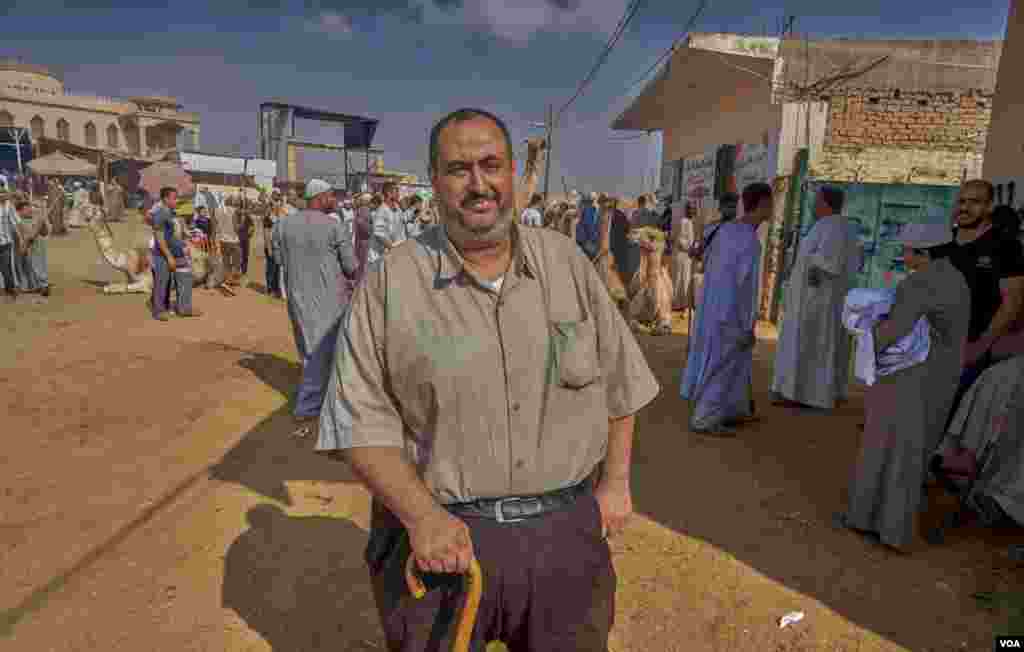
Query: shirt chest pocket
[[574, 362]]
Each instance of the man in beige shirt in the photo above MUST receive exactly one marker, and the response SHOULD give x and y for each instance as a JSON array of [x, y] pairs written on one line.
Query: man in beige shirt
[[484, 390]]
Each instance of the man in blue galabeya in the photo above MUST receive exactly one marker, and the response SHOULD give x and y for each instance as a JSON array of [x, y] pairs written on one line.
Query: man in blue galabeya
[[720, 360]]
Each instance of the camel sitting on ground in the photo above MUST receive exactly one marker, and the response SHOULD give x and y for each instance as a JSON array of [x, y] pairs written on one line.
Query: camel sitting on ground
[[135, 262]]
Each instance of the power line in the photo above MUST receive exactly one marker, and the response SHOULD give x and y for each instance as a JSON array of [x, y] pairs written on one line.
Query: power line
[[675, 44], [620, 29]]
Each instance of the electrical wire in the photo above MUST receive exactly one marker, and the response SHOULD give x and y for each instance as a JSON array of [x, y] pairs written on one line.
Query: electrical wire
[[613, 40], [675, 44]]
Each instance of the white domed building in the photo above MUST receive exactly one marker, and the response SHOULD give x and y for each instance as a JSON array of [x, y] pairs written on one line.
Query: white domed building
[[33, 97]]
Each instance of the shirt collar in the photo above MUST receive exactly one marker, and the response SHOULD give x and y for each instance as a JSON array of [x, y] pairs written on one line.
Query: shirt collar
[[450, 263]]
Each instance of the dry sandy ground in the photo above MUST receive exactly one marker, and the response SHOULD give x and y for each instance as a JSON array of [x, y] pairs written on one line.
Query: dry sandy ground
[[154, 500]]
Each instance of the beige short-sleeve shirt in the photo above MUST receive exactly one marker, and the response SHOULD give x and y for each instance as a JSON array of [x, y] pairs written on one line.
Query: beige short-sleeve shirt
[[490, 393]]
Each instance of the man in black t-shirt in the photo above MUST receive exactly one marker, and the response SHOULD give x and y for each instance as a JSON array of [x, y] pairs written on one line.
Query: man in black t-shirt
[[994, 268]]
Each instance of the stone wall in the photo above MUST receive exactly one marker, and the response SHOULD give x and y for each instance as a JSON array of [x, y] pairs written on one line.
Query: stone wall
[[1004, 156], [892, 136]]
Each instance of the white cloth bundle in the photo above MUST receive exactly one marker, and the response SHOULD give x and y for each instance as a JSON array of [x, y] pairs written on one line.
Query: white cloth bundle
[[862, 311]]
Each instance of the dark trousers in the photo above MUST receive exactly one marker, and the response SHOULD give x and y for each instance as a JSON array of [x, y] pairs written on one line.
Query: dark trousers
[[245, 244], [163, 278], [549, 584], [7, 268], [273, 275]]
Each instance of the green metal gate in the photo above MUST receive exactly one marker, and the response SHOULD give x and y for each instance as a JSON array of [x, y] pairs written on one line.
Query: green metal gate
[[880, 211]]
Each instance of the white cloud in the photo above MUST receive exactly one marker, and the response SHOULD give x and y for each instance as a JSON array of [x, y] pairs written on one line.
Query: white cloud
[[519, 20], [332, 24], [514, 22]]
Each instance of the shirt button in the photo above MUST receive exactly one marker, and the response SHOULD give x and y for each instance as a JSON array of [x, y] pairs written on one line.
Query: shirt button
[[515, 406], [520, 464]]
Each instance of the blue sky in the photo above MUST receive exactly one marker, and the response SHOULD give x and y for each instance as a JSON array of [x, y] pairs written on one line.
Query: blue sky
[[407, 62]]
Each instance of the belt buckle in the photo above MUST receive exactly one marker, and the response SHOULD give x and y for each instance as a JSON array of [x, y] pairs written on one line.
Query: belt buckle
[[497, 509]]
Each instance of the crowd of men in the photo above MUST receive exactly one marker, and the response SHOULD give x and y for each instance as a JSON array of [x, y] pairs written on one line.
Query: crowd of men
[[23, 249], [966, 280], [470, 359]]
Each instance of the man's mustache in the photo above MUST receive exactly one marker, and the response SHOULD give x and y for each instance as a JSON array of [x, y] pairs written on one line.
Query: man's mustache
[[472, 199]]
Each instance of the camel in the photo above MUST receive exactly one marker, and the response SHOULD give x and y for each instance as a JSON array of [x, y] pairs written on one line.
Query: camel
[[605, 261], [207, 266], [536, 149], [650, 289], [136, 262]]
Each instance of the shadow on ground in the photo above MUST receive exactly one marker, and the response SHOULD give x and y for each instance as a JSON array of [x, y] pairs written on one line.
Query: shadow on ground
[[767, 496], [298, 581], [276, 372], [301, 583], [270, 455]]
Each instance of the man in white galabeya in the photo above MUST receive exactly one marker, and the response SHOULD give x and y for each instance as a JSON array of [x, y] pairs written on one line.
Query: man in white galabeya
[[812, 362], [316, 254], [388, 222]]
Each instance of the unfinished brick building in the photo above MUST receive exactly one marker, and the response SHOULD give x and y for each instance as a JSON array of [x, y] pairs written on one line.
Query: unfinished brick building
[[897, 111]]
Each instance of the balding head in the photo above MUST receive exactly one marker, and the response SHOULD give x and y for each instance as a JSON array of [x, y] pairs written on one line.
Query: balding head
[[983, 185], [974, 204]]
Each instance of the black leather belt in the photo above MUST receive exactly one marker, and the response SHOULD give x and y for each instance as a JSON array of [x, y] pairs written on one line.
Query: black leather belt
[[520, 508]]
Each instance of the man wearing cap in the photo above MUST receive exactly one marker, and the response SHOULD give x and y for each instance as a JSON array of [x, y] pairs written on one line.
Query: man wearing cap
[[316, 254], [484, 390], [906, 411], [812, 361]]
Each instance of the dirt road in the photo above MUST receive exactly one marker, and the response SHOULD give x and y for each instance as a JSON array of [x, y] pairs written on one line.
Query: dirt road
[[154, 500]]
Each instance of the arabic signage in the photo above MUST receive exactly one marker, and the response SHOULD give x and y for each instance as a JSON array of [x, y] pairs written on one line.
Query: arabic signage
[[755, 163], [698, 179], [764, 47]]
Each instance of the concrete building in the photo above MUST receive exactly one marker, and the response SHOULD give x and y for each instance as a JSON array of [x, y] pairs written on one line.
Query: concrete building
[[34, 98], [873, 111], [898, 124], [1004, 156]]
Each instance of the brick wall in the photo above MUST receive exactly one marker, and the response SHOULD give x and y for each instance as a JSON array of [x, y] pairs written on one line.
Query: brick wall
[[892, 136]]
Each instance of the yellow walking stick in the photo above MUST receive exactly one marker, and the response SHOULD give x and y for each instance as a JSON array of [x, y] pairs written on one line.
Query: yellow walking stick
[[467, 616]]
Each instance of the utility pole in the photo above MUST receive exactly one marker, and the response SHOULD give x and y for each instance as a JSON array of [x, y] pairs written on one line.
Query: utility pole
[[550, 149]]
